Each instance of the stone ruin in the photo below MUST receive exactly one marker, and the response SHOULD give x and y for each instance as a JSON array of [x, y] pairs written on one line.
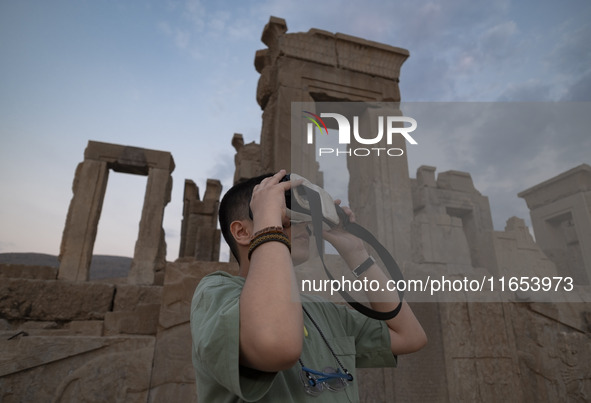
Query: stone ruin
[[560, 217], [64, 338], [90, 184]]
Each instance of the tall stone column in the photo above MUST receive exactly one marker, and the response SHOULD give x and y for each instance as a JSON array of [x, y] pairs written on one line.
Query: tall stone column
[[150, 250], [90, 184]]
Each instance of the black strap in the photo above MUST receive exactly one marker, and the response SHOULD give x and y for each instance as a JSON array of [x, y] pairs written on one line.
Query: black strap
[[360, 232]]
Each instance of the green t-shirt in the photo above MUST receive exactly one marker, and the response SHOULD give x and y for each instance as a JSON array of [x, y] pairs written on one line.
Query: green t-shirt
[[358, 341]]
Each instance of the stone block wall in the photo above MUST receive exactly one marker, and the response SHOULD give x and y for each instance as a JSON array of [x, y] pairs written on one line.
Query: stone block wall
[[106, 341], [101, 341]]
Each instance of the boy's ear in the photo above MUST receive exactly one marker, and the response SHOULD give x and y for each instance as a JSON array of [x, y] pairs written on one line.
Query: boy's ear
[[241, 231]]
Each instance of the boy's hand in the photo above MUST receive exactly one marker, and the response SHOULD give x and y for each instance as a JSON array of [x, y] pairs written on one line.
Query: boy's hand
[[268, 202]]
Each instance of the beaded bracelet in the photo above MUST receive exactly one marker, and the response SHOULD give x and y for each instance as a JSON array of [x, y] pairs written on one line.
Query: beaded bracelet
[[277, 228], [270, 236]]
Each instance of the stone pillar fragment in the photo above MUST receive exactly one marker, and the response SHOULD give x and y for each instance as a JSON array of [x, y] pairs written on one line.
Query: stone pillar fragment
[[247, 159], [200, 237], [90, 184], [150, 247], [207, 247], [191, 193]]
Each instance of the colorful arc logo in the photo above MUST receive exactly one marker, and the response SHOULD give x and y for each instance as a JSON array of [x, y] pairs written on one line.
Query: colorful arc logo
[[316, 119]]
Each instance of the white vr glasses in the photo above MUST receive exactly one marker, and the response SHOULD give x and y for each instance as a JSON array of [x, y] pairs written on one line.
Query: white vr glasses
[[298, 203]]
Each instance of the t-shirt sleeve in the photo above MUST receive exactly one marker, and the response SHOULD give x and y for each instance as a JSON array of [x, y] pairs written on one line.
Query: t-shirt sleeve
[[372, 339], [215, 325]]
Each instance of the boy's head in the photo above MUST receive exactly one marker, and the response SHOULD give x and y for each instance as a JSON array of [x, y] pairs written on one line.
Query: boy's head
[[234, 207]]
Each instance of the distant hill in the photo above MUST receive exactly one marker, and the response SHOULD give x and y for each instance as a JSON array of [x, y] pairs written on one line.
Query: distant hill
[[29, 259], [102, 266]]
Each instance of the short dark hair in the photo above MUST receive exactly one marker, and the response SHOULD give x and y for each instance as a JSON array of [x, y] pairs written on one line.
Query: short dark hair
[[234, 206]]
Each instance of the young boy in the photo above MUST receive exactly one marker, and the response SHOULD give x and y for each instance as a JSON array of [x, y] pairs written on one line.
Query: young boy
[[256, 339]]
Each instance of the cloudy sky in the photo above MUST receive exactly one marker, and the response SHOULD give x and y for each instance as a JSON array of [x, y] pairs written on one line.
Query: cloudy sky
[[179, 76]]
